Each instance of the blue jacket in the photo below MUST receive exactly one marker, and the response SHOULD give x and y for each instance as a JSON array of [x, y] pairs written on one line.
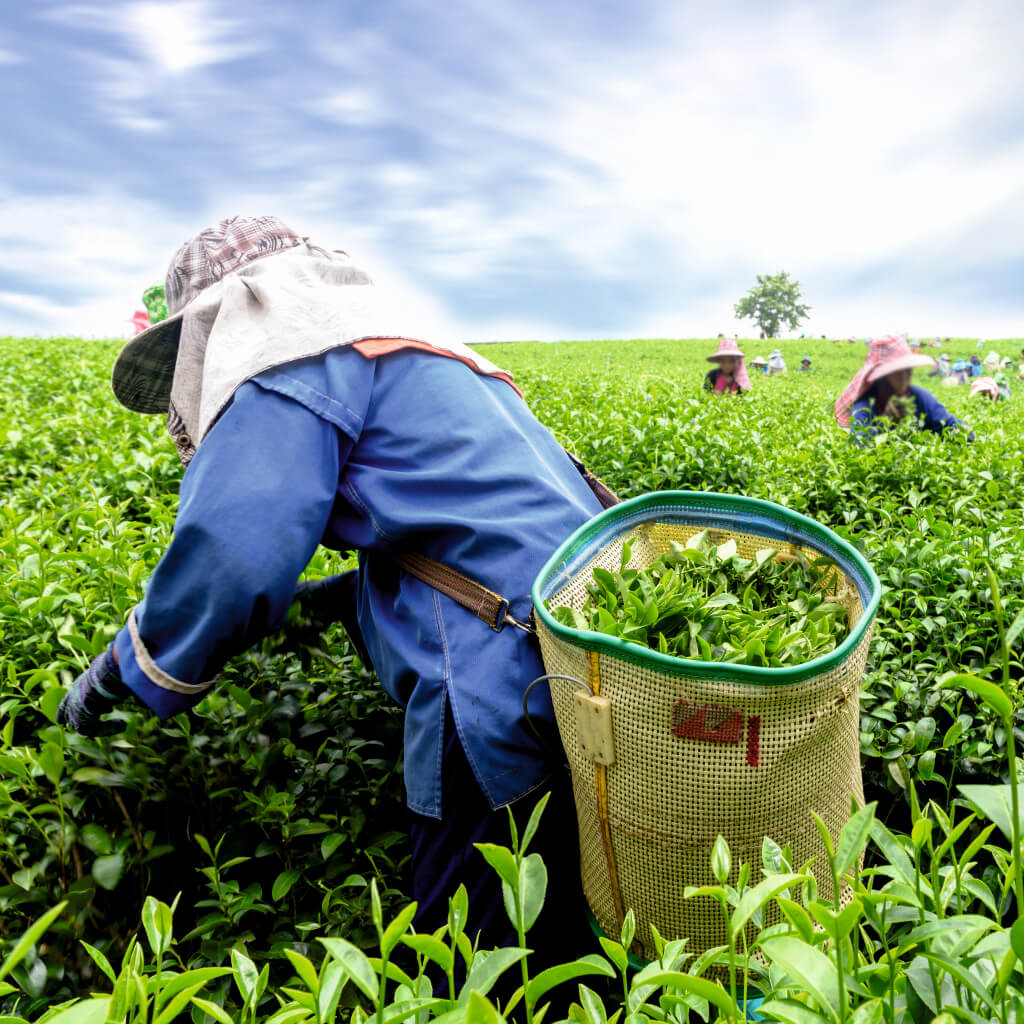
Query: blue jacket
[[408, 451], [930, 413]]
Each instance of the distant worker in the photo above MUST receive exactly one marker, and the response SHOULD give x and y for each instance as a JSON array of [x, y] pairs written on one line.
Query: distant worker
[[730, 374], [996, 387], [991, 364], [881, 393], [140, 320], [776, 364], [762, 364], [805, 365], [155, 301]]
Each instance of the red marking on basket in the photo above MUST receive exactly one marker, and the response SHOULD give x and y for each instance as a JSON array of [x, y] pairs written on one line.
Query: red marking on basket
[[754, 741], [709, 722]]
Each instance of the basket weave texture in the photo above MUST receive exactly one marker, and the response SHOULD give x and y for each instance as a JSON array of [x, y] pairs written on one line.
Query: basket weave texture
[[701, 749]]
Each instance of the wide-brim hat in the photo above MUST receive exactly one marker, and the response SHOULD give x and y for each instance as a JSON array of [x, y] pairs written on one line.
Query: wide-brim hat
[[759, 361], [727, 349], [984, 386], [907, 362], [144, 369]]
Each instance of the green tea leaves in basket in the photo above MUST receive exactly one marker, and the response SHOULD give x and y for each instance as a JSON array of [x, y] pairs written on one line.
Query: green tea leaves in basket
[[704, 601]]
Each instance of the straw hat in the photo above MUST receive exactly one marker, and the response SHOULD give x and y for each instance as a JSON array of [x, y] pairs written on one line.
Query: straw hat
[[727, 349], [759, 361]]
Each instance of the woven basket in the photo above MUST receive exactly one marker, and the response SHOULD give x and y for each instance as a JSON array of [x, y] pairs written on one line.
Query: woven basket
[[676, 752]]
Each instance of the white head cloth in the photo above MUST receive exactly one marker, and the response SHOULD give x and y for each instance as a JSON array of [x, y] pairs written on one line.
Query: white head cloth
[[298, 303]]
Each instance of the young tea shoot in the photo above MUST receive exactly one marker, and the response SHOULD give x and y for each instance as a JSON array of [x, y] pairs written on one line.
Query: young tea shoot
[[703, 601]]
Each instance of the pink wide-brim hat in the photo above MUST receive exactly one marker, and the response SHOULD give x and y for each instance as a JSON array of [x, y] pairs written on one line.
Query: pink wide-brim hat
[[727, 349], [886, 355]]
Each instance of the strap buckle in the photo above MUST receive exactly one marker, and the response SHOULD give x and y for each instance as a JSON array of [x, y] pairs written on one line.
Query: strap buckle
[[505, 618]]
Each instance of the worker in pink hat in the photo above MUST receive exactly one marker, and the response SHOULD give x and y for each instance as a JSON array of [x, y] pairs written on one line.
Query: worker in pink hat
[[881, 392], [730, 372]]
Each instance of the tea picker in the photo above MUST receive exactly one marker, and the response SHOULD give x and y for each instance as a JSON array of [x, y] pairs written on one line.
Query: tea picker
[[880, 394], [729, 375], [308, 413]]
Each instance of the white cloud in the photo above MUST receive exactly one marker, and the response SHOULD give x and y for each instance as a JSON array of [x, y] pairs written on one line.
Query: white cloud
[[785, 139], [845, 146], [142, 125], [355, 106], [183, 35], [104, 249], [9, 57], [83, 261]]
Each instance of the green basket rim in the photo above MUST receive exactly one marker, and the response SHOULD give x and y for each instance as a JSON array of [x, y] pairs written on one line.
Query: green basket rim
[[666, 664]]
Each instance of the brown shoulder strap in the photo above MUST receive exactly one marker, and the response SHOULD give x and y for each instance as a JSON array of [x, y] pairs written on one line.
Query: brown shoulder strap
[[604, 494], [492, 608], [485, 604]]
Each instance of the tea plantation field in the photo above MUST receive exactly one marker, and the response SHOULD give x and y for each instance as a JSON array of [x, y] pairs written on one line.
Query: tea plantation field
[[243, 862]]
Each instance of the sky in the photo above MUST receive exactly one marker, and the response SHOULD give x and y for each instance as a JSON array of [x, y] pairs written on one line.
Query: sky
[[537, 169]]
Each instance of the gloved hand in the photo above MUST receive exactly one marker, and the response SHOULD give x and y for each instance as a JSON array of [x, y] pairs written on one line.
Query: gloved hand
[[327, 600], [95, 692], [333, 599]]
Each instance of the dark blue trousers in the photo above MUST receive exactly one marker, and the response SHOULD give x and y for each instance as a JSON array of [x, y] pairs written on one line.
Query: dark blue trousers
[[443, 856]]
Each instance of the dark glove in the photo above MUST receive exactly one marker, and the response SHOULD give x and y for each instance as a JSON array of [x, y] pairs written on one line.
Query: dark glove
[[333, 599], [95, 692], [327, 600]]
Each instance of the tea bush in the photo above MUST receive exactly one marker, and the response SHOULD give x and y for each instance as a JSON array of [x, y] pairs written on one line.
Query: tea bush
[[271, 819]]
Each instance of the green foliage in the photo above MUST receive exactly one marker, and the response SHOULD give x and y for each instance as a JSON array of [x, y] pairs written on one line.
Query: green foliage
[[89, 499], [773, 301], [274, 808]]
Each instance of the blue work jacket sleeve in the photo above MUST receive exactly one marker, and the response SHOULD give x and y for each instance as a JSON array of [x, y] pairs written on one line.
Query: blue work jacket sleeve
[[254, 503], [862, 425], [935, 415], [932, 414]]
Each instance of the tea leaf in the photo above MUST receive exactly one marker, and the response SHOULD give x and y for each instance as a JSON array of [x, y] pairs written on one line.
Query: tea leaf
[[354, 963], [988, 692], [810, 968], [29, 939], [591, 964]]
